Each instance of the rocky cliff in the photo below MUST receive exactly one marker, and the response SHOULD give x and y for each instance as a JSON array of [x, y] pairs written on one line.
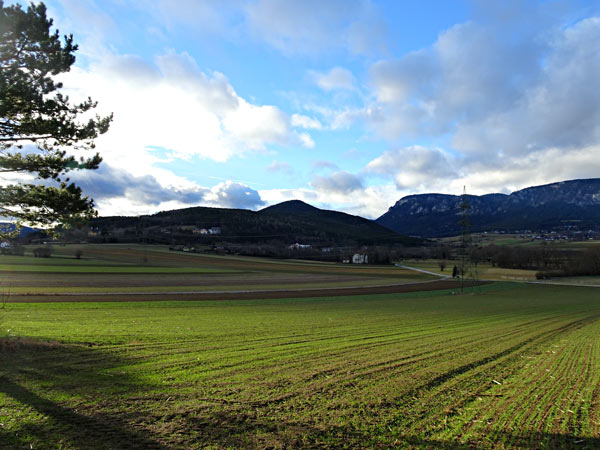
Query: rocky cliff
[[566, 204]]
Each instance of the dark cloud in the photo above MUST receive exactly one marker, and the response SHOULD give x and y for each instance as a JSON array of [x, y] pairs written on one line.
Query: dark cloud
[[234, 195], [108, 183]]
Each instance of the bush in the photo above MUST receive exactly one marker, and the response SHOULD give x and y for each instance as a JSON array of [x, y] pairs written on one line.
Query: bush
[[15, 250], [42, 252]]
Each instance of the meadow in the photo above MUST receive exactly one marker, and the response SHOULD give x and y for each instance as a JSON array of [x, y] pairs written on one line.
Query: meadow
[[503, 365]]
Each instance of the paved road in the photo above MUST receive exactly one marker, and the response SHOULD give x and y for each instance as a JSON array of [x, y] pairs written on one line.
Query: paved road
[[443, 277]]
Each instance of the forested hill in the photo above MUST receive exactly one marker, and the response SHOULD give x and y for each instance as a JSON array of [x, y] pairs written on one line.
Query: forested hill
[[288, 222], [556, 206]]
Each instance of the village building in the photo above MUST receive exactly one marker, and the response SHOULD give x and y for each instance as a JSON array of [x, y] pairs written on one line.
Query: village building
[[298, 246], [358, 258]]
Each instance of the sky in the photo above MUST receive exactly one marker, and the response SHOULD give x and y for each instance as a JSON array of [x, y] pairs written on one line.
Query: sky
[[345, 104]]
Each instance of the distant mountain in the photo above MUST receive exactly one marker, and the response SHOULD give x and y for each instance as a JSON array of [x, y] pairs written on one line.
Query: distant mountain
[[309, 221], [555, 206], [287, 222], [291, 207]]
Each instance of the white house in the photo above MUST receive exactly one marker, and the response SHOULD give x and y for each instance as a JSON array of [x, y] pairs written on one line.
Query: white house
[[357, 258]]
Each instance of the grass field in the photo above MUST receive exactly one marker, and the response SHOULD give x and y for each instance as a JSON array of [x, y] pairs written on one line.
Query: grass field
[[503, 365], [507, 366], [114, 269]]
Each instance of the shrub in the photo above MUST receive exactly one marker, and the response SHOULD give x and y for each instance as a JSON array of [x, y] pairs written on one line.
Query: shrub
[[42, 252]]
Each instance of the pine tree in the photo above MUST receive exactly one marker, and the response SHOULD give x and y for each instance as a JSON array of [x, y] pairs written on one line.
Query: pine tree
[[38, 124]]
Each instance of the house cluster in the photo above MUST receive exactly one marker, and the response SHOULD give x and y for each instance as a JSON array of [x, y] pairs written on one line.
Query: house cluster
[[207, 231], [298, 246]]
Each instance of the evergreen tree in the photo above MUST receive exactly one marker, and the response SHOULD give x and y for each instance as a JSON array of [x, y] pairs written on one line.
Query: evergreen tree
[[38, 124]]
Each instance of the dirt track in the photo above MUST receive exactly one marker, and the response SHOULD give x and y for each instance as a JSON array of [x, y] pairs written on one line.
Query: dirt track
[[238, 295]]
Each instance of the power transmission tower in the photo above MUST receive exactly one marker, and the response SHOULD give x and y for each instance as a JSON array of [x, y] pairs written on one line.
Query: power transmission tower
[[466, 241]]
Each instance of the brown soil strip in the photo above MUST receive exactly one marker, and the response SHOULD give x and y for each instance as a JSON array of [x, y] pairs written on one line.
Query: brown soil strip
[[239, 295], [143, 280]]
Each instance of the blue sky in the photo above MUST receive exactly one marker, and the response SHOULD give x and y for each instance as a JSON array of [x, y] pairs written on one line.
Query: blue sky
[[344, 104]]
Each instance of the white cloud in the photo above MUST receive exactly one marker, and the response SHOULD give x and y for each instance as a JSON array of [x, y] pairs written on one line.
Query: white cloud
[[255, 126], [493, 94], [413, 167], [309, 123], [314, 26], [321, 164], [336, 78], [562, 109], [274, 196], [536, 168], [290, 26], [370, 202], [337, 183], [279, 166], [170, 110], [418, 170], [175, 106], [306, 140]]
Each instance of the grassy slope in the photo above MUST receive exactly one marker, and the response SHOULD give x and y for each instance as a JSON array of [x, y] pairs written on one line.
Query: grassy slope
[[408, 370]]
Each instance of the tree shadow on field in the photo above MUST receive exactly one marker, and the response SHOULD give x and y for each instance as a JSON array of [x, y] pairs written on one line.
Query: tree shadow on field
[[74, 396], [236, 429], [33, 374]]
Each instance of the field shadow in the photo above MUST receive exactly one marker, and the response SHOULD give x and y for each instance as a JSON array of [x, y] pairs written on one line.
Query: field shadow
[[234, 429], [67, 396], [34, 373]]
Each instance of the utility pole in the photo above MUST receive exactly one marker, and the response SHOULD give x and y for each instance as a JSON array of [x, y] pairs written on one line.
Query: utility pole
[[465, 240]]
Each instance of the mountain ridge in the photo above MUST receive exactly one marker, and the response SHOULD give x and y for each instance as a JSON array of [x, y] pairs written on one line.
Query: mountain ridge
[[287, 222], [548, 206]]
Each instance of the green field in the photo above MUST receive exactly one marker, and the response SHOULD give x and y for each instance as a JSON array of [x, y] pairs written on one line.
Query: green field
[[502, 365], [509, 365], [114, 269]]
